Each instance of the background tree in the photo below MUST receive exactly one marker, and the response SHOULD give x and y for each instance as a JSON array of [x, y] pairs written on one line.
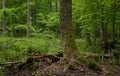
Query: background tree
[[28, 18], [86, 21], [50, 5], [3, 17], [113, 22], [103, 31], [56, 5]]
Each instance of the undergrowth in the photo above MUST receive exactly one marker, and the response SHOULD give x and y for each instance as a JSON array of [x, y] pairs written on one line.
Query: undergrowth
[[16, 49]]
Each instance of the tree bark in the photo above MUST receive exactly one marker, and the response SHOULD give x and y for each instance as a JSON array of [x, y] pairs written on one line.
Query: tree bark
[[67, 35], [3, 18], [28, 18]]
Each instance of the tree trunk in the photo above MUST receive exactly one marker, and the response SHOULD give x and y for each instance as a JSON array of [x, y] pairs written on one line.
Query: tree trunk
[[3, 18], [113, 24], [56, 5], [67, 35], [103, 28], [28, 18], [50, 5], [34, 16]]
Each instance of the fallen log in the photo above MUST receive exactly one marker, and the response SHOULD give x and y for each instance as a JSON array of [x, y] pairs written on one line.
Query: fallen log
[[97, 55], [9, 63], [36, 57]]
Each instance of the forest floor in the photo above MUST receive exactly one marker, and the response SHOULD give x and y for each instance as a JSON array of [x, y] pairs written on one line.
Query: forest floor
[[40, 57], [49, 65]]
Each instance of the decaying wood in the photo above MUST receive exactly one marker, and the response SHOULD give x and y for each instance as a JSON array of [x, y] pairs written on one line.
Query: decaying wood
[[38, 57], [96, 55], [9, 63], [51, 58]]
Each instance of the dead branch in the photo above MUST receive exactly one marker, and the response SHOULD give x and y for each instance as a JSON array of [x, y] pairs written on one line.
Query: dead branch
[[9, 63], [97, 55]]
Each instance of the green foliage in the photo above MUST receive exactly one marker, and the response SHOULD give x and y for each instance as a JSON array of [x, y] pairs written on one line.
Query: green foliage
[[22, 46], [11, 55], [20, 27], [41, 18], [81, 45], [94, 66], [45, 25], [86, 16], [46, 34], [17, 49], [52, 20], [0, 15]]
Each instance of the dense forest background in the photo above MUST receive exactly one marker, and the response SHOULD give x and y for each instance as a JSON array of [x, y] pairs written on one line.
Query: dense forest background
[[98, 22]]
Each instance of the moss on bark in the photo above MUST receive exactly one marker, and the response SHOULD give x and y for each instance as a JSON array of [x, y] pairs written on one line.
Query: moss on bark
[[67, 34]]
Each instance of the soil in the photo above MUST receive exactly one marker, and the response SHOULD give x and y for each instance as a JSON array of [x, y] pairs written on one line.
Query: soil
[[49, 65]]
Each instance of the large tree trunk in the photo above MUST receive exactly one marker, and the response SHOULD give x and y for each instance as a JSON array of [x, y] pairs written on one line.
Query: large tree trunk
[[3, 18], [68, 41], [28, 18]]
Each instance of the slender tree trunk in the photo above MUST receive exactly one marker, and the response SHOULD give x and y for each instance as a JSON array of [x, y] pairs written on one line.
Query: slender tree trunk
[[56, 5], [3, 18], [113, 24], [28, 18], [33, 16], [50, 5], [86, 35], [103, 28], [68, 41]]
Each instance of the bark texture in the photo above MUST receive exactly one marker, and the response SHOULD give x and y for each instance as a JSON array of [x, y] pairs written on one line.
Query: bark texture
[[67, 35]]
